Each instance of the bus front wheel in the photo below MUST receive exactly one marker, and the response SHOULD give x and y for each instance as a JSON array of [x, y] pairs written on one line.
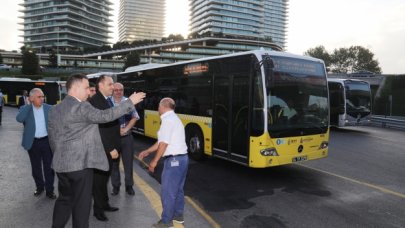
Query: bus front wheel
[[195, 143]]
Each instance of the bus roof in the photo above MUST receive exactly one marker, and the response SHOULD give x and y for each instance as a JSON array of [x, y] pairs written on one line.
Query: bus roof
[[255, 52], [14, 79], [342, 80], [143, 67], [8, 79], [96, 75]]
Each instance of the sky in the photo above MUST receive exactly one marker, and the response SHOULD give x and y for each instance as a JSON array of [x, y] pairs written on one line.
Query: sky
[[374, 24]]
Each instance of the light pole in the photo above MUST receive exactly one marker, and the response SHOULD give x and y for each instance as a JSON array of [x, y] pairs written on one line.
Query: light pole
[[57, 48]]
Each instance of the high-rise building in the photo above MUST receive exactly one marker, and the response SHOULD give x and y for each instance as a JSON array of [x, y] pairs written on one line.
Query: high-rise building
[[66, 24], [141, 19], [240, 18], [275, 20]]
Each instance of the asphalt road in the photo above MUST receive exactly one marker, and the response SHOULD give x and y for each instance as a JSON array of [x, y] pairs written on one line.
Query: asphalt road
[[360, 184]]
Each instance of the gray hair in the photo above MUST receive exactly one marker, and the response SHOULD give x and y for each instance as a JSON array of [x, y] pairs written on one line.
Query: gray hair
[[168, 102], [35, 90]]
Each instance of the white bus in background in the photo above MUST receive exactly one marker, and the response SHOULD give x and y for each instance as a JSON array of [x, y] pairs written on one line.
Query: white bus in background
[[350, 102]]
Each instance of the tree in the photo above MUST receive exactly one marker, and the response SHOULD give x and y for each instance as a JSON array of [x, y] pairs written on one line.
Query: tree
[[341, 59], [175, 37], [346, 60], [320, 53], [132, 59], [30, 62], [53, 59], [362, 59]]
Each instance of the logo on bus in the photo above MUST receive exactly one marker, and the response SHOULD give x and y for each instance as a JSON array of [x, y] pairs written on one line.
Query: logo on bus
[[280, 141]]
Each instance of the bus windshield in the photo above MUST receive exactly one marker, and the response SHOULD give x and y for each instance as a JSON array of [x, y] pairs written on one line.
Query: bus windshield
[[358, 98], [297, 98]]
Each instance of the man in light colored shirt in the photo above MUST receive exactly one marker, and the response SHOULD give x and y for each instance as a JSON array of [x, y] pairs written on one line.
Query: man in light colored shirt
[[127, 121], [34, 116], [171, 145]]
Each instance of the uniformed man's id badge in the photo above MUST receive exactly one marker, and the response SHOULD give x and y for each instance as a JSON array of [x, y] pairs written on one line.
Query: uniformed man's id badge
[[174, 163]]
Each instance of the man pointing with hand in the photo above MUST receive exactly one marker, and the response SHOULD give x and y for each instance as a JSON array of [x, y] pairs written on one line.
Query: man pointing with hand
[[77, 148]]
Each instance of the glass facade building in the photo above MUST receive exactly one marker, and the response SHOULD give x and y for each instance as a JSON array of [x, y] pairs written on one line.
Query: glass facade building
[[241, 18], [141, 19], [66, 24]]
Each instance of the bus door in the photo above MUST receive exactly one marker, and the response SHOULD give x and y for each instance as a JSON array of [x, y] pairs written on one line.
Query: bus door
[[230, 117]]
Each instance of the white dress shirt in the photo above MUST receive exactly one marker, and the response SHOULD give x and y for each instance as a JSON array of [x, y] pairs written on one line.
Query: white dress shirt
[[40, 126], [172, 132]]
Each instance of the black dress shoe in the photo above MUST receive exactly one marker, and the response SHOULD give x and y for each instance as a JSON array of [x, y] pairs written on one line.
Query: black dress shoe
[[115, 191], [111, 209], [130, 190], [51, 195], [38, 192], [101, 217]]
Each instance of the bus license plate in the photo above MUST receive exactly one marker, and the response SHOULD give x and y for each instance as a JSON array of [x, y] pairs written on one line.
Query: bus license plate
[[299, 159]]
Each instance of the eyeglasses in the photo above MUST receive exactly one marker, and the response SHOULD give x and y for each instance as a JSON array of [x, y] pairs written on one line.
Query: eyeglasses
[[118, 90]]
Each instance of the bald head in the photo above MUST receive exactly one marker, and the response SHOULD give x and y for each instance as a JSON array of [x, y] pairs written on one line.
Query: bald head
[[166, 104]]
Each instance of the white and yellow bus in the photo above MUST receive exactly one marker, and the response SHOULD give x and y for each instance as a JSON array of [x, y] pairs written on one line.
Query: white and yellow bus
[[257, 108], [12, 88]]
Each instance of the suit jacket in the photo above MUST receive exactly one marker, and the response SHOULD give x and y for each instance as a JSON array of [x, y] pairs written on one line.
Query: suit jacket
[[109, 132], [21, 101], [74, 136], [26, 116]]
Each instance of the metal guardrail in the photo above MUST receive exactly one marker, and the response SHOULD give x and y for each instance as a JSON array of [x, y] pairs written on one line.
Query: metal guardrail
[[388, 122]]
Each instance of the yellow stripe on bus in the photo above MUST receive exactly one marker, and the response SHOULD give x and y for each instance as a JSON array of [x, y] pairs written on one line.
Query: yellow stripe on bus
[[152, 125]]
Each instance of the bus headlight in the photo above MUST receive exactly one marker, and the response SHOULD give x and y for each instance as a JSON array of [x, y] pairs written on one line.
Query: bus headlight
[[269, 152], [324, 145]]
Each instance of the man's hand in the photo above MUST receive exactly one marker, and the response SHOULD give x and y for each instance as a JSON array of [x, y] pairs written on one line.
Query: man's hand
[[114, 154], [143, 154], [123, 131], [137, 97], [152, 166]]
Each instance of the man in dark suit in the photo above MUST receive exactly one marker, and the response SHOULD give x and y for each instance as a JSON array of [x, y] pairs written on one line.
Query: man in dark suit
[[110, 136], [35, 140], [77, 149], [23, 100]]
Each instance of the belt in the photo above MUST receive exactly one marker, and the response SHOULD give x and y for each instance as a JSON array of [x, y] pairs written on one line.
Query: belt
[[175, 155], [41, 138]]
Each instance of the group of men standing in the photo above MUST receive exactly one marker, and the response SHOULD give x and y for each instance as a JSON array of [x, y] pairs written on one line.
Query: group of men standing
[[116, 140], [83, 138]]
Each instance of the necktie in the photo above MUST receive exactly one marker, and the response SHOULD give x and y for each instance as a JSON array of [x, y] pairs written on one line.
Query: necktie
[[110, 102]]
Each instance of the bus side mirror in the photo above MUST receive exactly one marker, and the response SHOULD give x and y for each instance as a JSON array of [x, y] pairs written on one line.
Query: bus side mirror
[[268, 66]]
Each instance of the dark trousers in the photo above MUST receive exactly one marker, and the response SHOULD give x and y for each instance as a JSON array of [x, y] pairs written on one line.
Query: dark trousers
[[127, 156], [1, 113], [74, 199], [41, 160], [100, 192]]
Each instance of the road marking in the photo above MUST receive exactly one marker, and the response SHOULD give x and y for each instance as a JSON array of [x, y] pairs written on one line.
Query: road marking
[[202, 212], [379, 188], [154, 199]]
